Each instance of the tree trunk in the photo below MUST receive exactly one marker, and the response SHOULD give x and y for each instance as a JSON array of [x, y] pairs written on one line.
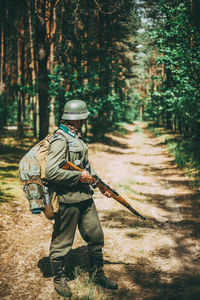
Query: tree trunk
[[50, 67], [43, 93], [43, 51], [2, 83], [33, 72], [2, 56], [19, 74], [5, 73]]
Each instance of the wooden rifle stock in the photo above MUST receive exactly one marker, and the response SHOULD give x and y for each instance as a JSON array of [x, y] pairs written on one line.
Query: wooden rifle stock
[[99, 183]]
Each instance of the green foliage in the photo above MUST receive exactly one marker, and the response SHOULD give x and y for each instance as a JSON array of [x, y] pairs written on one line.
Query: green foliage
[[28, 88], [185, 151], [8, 111], [106, 103], [134, 102], [179, 45], [91, 61]]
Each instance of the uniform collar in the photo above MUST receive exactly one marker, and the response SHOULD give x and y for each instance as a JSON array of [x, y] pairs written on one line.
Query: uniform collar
[[66, 130]]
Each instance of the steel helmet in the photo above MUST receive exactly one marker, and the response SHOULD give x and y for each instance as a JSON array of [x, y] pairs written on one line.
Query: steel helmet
[[75, 110]]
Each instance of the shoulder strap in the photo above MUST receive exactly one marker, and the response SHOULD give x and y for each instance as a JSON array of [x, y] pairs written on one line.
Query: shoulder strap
[[68, 152]]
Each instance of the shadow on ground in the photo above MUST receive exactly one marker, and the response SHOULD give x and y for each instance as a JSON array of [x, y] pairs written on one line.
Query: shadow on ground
[[6, 198], [114, 143], [76, 259], [11, 154], [157, 285], [145, 281]]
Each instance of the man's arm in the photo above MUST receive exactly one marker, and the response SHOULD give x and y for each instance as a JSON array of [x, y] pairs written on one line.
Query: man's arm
[[56, 155]]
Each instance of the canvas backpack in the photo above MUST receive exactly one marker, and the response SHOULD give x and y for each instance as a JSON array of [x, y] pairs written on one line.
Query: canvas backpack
[[32, 175]]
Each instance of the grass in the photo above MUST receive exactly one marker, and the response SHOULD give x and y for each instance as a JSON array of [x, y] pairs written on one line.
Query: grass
[[11, 151], [126, 187], [85, 289], [138, 129], [185, 151], [9, 184]]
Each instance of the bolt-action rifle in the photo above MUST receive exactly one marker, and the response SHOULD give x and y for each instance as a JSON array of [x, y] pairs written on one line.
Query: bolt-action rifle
[[99, 183]]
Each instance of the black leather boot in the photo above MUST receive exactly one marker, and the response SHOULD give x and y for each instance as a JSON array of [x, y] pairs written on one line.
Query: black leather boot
[[97, 274], [60, 280]]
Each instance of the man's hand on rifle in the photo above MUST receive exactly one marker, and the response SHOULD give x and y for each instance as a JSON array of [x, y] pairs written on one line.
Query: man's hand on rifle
[[104, 192], [86, 177], [103, 187]]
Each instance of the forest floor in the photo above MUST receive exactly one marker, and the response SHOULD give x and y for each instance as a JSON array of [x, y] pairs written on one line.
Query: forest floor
[[153, 259]]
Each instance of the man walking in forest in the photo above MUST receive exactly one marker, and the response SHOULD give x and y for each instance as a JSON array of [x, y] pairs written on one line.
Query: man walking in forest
[[76, 206]]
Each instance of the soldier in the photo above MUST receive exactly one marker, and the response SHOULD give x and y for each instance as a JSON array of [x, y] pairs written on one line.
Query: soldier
[[76, 206]]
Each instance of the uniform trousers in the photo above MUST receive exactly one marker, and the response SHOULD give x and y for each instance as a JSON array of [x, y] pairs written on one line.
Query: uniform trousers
[[84, 215]]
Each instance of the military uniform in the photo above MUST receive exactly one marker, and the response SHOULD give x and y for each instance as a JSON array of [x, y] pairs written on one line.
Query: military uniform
[[76, 206], [75, 198]]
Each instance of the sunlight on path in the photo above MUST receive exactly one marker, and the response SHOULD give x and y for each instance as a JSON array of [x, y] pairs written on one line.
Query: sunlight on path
[[149, 176]]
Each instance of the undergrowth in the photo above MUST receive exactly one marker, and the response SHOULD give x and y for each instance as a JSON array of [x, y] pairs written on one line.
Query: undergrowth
[[11, 151], [85, 289], [186, 152]]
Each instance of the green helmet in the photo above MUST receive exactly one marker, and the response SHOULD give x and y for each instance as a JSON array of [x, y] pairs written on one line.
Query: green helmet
[[75, 110]]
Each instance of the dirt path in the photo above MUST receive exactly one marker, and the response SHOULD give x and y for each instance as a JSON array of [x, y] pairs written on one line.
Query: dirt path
[[155, 259]]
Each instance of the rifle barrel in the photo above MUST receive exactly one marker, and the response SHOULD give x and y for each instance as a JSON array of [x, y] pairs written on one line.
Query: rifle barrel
[[127, 205], [136, 213], [114, 194]]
